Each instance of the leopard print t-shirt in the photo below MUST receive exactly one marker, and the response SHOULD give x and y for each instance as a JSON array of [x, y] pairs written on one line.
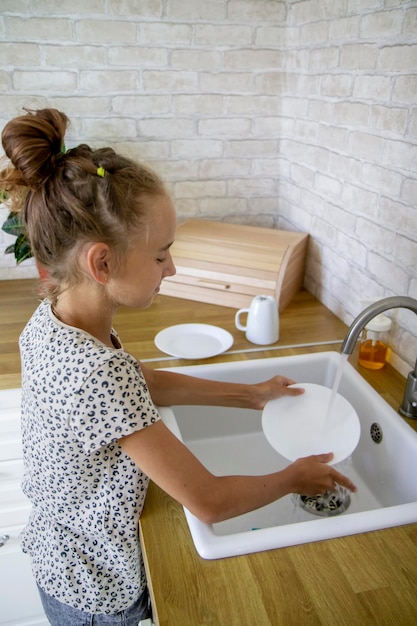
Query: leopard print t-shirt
[[79, 397]]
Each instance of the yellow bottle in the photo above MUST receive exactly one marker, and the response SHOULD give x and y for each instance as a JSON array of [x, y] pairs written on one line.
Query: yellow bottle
[[374, 343]]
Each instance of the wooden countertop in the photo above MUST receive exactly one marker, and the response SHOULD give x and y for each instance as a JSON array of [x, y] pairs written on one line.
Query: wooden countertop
[[364, 579]]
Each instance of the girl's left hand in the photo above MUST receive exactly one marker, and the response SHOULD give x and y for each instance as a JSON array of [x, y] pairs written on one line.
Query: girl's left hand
[[172, 388], [270, 389]]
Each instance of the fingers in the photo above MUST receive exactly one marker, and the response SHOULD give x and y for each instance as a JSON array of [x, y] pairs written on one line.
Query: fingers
[[344, 481], [324, 458], [294, 391], [330, 477], [290, 390], [274, 388], [286, 381], [336, 478]]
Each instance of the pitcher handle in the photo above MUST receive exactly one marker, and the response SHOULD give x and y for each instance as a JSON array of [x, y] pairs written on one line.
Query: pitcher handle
[[237, 319]]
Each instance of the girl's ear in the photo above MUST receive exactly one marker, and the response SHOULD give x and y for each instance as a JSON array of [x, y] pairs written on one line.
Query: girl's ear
[[98, 260]]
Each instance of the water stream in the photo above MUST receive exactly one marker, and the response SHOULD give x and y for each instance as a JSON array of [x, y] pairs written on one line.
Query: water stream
[[329, 503], [341, 367]]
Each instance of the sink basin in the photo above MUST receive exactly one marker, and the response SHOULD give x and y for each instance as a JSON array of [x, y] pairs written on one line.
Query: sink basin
[[232, 441], [383, 466]]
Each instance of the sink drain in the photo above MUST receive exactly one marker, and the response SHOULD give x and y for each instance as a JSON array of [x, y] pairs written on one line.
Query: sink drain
[[376, 432], [326, 504]]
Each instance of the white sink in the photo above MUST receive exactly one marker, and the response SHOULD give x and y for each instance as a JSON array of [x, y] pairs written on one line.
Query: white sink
[[232, 441]]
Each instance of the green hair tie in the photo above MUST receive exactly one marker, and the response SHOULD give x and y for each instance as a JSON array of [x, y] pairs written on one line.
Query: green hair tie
[[101, 172]]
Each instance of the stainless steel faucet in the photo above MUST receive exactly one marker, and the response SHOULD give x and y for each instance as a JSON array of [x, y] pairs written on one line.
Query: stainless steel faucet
[[408, 407]]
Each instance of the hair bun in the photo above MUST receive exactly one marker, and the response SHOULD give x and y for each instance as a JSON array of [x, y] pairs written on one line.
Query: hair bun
[[33, 141]]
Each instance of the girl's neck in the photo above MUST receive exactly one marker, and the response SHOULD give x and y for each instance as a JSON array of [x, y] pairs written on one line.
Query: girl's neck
[[88, 311]]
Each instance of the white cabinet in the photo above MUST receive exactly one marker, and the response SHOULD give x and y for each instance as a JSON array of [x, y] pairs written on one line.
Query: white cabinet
[[19, 598], [20, 604]]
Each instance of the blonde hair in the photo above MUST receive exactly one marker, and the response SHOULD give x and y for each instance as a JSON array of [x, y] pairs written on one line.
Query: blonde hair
[[66, 198]]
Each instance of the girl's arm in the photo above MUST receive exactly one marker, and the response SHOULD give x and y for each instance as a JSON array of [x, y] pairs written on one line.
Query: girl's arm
[[170, 464], [171, 388]]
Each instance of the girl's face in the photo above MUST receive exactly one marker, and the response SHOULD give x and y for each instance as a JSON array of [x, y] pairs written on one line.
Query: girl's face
[[148, 261]]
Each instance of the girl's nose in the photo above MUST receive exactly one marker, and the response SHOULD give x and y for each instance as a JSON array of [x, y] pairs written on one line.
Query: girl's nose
[[170, 269]]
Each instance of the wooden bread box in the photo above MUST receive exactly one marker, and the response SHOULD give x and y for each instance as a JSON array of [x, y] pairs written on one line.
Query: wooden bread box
[[229, 264]]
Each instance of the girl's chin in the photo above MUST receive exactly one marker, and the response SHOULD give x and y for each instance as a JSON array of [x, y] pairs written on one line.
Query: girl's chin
[[148, 303]]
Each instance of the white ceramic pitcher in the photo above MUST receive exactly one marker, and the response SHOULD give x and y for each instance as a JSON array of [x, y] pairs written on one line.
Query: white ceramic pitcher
[[262, 325]]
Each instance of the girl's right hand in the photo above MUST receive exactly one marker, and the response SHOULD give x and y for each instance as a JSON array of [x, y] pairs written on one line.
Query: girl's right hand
[[174, 468], [312, 475]]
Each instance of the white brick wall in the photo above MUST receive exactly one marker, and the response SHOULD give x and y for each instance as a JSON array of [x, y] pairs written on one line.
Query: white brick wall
[[294, 114]]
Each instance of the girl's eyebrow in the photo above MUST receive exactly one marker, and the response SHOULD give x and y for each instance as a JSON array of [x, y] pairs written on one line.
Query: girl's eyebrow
[[166, 247]]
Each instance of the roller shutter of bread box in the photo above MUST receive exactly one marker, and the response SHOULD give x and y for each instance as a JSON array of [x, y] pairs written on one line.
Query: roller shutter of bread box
[[229, 264]]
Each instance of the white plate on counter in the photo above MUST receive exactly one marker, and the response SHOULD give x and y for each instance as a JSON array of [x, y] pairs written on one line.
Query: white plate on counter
[[193, 341], [297, 426]]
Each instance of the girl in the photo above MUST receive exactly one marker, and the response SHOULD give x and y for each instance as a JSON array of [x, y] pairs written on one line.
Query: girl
[[103, 225]]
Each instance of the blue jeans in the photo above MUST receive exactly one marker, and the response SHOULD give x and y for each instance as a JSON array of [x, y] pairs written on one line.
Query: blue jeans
[[60, 614]]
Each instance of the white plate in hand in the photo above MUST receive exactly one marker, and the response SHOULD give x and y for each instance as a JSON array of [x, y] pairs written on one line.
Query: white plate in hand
[[193, 341], [297, 426]]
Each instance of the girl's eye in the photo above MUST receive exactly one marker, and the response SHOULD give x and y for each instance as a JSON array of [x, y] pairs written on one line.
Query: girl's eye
[[160, 260]]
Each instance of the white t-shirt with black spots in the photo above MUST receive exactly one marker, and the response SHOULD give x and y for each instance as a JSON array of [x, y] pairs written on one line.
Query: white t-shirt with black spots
[[78, 398]]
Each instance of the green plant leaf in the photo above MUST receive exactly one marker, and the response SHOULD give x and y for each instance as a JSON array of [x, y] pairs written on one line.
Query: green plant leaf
[[22, 250], [13, 225], [21, 247]]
